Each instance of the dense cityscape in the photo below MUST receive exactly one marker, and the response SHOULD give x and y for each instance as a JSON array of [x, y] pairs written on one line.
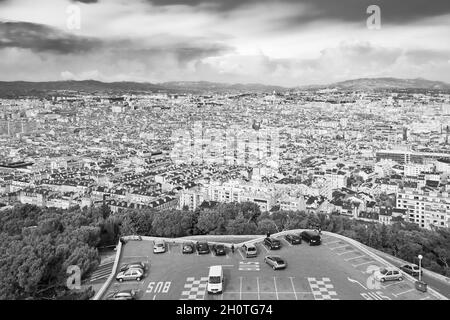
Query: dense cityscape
[[230, 152], [368, 155]]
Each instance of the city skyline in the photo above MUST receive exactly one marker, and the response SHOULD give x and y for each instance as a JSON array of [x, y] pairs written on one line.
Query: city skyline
[[286, 43]]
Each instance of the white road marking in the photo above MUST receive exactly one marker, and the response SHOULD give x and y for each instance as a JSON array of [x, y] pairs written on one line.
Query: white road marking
[[240, 252], [389, 285], [289, 244], [349, 259], [276, 291], [257, 284], [339, 247], [363, 263], [356, 281], [264, 246], [331, 242], [345, 252], [374, 295], [154, 297], [403, 292], [240, 288], [427, 297], [293, 287]]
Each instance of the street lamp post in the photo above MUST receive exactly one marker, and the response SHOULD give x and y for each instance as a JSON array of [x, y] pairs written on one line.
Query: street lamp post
[[420, 266]]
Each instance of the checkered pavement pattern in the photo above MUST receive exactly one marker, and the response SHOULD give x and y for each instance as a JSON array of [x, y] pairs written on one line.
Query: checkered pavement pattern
[[322, 289], [194, 289]]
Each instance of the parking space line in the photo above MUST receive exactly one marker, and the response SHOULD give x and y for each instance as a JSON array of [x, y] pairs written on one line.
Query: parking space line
[[240, 288], [345, 245], [389, 285], [361, 264], [168, 247], [403, 292], [275, 283], [293, 287], [257, 284], [426, 298], [331, 242], [267, 250], [286, 242], [240, 252], [349, 259], [345, 252]]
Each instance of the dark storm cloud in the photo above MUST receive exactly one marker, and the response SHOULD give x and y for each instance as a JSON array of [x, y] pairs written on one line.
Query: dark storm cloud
[[42, 38], [86, 1], [393, 11], [183, 51]]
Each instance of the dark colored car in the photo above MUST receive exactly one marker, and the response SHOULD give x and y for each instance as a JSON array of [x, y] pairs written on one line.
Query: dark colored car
[[219, 250], [411, 269], [293, 239], [202, 247], [275, 262], [312, 237], [272, 244], [188, 247], [122, 295], [127, 266]]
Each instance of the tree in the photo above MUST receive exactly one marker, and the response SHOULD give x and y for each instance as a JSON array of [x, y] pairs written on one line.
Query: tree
[[266, 226], [241, 226], [211, 222]]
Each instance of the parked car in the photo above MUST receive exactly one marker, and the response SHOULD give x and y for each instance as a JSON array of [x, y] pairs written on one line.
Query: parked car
[[312, 237], [388, 274], [202, 247], [219, 250], [411, 269], [250, 250], [159, 246], [134, 265], [276, 262], [130, 274], [293, 238], [272, 244], [188, 247], [122, 295]]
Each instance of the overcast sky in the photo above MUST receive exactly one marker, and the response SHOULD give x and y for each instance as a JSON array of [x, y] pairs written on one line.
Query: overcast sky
[[285, 42]]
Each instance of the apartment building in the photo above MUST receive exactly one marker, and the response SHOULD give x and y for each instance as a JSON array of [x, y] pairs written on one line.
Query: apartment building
[[425, 208]]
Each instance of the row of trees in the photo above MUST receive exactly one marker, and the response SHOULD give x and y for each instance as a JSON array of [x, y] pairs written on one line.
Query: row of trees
[[37, 245]]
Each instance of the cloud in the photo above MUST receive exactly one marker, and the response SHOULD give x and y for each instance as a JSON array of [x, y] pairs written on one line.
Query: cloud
[[42, 38], [393, 12]]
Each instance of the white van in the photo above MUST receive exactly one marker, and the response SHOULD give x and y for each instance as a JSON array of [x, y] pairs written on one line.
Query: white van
[[215, 280]]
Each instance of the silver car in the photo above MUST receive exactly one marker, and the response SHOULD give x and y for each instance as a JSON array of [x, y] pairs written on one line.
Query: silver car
[[130, 274], [388, 274], [276, 262]]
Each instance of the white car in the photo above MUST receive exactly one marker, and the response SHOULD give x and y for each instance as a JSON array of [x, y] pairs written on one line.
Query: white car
[[387, 274], [159, 246], [130, 274]]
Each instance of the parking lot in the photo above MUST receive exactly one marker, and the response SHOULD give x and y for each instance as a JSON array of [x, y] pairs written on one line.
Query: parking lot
[[334, 270]]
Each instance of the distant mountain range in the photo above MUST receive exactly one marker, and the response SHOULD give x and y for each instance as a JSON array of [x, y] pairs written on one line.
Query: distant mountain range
[[24, 88], [389, 83]]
